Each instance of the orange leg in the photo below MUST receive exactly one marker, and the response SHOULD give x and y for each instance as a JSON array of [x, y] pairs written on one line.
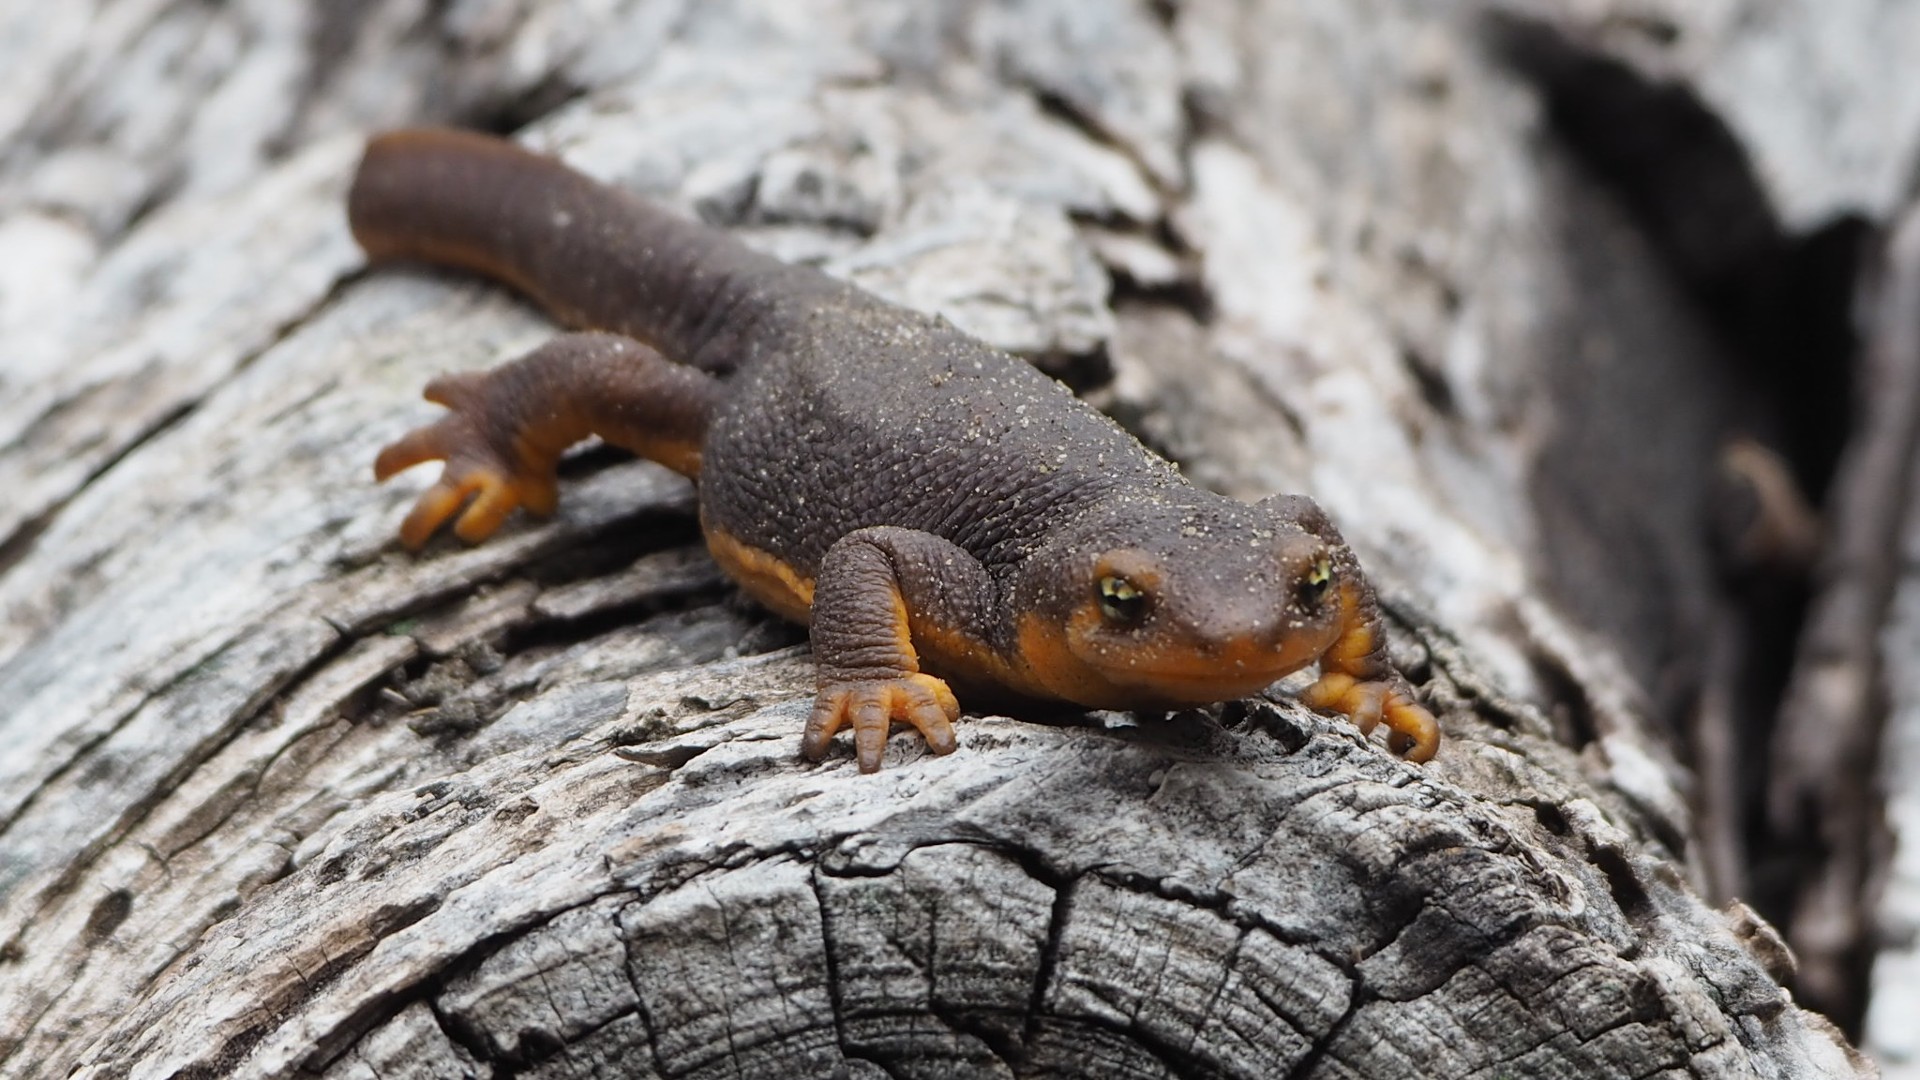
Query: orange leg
[[1356, 680], [870, 673]]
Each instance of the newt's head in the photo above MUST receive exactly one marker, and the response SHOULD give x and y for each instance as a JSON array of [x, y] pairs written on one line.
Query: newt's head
[[1165, 604]]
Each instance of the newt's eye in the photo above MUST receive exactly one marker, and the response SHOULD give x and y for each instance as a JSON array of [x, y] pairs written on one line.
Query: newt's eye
[[1313, 585], [1122, 603]]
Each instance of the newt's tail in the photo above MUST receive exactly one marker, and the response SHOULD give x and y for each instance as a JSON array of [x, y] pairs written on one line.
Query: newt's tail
[[592, 255]]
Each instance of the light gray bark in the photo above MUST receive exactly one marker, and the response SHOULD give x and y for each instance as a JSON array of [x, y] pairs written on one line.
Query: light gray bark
[[277, 798]]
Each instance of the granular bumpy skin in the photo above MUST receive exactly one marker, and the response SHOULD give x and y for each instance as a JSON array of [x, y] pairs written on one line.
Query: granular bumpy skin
[[941, 513]]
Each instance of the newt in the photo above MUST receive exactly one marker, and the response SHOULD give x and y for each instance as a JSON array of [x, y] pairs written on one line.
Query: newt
[[944, 516]]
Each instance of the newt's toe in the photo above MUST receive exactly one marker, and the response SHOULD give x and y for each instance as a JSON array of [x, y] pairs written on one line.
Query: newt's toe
[[416, 447], [871, 706], [430, 511], [481, 486], [1416, 734], [1413, 732]]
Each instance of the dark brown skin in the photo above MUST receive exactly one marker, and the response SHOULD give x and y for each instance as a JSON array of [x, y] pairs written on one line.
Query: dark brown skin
[[937, 510]]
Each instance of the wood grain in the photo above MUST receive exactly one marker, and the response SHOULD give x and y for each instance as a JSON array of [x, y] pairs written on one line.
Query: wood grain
[[279, 799]]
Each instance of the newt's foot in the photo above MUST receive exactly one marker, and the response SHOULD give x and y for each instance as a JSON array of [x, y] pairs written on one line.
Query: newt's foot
[[1415, 734], [489, 472], [871, 706]]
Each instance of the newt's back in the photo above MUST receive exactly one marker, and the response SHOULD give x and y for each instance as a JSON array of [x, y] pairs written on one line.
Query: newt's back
[[869, 414]]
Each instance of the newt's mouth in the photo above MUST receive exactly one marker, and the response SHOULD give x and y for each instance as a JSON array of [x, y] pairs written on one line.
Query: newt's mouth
[[1184, 674], [1241, 657], [1200, 684], [1082, 662]]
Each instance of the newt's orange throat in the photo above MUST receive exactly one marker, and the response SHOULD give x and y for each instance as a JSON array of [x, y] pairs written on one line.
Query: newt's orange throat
[[1153, 676], [1170, 671], [910, 492]]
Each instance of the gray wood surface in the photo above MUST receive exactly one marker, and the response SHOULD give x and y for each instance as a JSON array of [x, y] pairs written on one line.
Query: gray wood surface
[[278, 799]]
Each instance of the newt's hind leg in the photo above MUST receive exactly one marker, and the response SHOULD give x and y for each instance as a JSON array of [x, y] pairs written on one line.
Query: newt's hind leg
[[507, 427]]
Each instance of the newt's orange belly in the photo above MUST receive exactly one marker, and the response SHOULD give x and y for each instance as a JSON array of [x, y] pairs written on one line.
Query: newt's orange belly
[[940, 650], [765, 576]]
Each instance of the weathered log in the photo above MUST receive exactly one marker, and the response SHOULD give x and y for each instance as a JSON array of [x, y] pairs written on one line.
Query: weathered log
[[277, 798]]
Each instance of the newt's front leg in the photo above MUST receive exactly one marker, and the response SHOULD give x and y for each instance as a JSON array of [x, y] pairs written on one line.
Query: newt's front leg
[[1356, 679], [873, 584], [507, 427]]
